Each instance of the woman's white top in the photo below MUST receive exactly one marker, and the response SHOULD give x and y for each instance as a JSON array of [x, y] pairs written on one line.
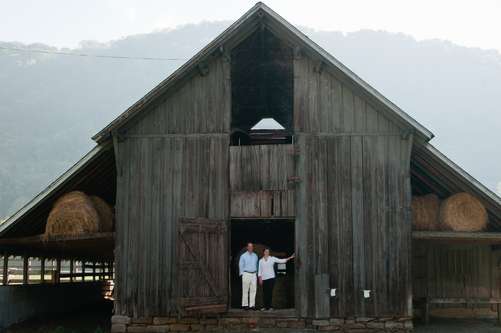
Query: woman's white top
[[266, 268]]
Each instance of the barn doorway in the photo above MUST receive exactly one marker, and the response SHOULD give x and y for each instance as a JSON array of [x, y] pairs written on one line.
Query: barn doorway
[[278, 235]]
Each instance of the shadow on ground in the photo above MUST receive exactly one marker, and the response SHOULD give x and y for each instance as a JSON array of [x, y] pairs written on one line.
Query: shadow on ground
[[458, 326], [92, 319]]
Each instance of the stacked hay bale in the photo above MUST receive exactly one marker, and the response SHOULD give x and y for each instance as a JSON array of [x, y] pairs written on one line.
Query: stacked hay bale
[[75, 213], [459, 212], [463, 212], [105, 212], [425, 212]]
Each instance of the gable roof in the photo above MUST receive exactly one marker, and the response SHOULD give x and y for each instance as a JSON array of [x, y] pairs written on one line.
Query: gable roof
[[256, 15]]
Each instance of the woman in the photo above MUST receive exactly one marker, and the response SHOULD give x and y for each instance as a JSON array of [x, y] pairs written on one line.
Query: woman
[[266, 276]]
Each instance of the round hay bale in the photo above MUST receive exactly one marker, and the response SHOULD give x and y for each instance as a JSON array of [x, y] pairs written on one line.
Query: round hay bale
[[425, 212], [105, 212], [72, 214], [463, 212]]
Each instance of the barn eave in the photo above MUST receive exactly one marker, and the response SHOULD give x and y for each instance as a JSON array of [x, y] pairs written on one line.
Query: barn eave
[[94, 172]]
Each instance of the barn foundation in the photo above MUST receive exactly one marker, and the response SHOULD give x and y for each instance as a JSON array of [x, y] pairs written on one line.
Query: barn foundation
[[259, 322]]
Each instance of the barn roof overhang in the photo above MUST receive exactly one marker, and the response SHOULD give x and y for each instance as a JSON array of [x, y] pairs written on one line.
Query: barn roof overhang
[[258, 16], [95, 173]]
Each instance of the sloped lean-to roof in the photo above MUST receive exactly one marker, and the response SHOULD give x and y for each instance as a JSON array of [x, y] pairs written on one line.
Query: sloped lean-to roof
[[94, 174], [447, 178], [258, 14]]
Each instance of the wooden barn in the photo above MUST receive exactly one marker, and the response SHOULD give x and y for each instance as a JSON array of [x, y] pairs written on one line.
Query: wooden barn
[[263, 136]]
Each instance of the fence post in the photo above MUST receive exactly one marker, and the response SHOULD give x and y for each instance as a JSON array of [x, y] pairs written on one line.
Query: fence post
[[58, 270], [42, 270], [83, 271], [26, 273], [71, 270], [5, 270]]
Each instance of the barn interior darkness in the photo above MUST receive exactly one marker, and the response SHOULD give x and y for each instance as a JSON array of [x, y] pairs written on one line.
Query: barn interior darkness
[[278, 235], [262, 88]]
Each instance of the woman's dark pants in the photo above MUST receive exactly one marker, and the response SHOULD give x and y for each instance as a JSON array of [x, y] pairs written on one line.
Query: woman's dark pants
[[268, 292]]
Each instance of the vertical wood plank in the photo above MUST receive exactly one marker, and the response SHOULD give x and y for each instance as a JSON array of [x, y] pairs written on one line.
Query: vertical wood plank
[[5, 275], [72, 269], [26, 267], [42, 270]]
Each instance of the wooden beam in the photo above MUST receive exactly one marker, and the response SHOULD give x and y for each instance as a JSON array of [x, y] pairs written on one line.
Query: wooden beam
[[457, 236], [42, 270], [110, 270], [5, 280], [58, 271], [83, 271], [26, 275], [72, 268]]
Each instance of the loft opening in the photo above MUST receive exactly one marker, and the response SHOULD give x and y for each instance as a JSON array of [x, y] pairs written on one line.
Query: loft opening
[[262, 90], [276, 234]]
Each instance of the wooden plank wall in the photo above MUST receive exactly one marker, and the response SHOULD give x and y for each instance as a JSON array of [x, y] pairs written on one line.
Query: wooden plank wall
[[263, 204], [455, 271], [261, 181], [172, 163], [261, 167], [353, 199]]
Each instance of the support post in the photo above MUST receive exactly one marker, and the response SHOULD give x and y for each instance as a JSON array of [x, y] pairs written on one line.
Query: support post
[[42, 270], [83, 271], [111, 270], [5, 280], [58, 271], [72, 268], [26, 275]]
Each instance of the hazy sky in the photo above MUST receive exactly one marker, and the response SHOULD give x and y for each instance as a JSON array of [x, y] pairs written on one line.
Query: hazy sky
[[66, 23]]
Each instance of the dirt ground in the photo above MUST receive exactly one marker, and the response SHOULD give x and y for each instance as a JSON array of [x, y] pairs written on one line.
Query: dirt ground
[[97, 320], [93, 319]]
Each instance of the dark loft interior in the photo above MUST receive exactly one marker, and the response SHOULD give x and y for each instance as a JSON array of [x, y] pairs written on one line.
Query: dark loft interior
[[262, 88], [279, 236]]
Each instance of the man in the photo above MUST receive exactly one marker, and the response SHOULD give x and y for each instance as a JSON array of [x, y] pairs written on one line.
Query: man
[[248, 268]]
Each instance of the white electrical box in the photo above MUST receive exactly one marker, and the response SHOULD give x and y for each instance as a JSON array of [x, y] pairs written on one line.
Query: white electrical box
[[367, 293], [333, 292], [282, 269]]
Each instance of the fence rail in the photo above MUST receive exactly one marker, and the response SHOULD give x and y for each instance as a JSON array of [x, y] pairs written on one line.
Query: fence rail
[[27, 270]]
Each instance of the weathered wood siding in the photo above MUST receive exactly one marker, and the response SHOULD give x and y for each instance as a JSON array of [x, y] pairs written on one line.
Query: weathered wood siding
[[353, 200], [261, 167], [201, 104], [263, 204], [261, 181], [455, 271], [172, 163]]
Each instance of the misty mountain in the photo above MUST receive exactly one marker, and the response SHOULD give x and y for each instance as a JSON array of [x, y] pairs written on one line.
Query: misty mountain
[[50, 105]]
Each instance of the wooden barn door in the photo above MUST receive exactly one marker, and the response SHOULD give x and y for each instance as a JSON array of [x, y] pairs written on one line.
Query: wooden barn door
[[202, 265]]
